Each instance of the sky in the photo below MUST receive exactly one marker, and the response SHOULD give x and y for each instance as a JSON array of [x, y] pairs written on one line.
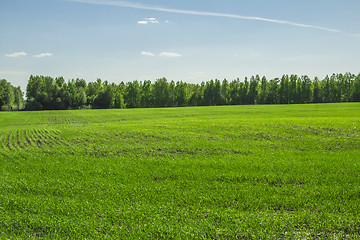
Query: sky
[[188, 40]]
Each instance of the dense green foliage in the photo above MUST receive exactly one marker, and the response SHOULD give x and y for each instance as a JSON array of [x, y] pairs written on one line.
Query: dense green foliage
[[47, 93], [228, 172], [11, 98]]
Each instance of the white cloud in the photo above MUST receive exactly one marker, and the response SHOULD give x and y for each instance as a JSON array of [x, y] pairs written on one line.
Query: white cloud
[[144, 53], [16, 54], [170, 54], [162, 54], [148, 20], [203, 13], [41, 55], [152, 20]]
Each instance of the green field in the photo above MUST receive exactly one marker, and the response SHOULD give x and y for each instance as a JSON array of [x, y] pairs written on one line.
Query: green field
[[232, 172]]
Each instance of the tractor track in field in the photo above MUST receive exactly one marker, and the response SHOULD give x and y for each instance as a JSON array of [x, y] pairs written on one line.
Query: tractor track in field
[[32, 140], [27, 138], [42, 138], [12, 141], [18, 141], [8, 142]]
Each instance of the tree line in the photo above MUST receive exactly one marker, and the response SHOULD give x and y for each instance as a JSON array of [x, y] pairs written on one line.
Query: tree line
[[47, 93]]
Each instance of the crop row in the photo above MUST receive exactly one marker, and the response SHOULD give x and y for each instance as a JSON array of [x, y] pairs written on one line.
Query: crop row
[[17, 140], [55, 120]]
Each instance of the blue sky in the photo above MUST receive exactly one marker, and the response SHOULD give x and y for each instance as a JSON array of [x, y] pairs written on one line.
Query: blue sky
[[189, 40]]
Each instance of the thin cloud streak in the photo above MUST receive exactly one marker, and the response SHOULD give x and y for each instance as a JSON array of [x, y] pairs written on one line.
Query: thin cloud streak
[[41, 55], [162, 54], [16, 54], [202, 13], [170, 54], [144, 53]]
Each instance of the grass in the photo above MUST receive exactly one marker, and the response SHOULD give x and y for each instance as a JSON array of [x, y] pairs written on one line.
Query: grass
[[232, 172]]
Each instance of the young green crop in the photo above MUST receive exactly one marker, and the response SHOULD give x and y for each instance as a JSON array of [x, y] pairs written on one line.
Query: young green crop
[[232, 172]]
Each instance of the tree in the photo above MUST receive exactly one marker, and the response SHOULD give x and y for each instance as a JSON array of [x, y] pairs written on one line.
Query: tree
[[292, 89], [19, 99], [161, 93], [146, 96], [57, 93], [253, 92], [209, 94], [105, 98], [4, 93], [335, 89], [244, 89], [217, 93], [80, 98], [316, 98], [180, 94], [70, 95], [118, 101], [272, 97], [234, 92], [299, 93], [11, 98], [306, 89], [34, 93], [225, 97], [92, 90], [196, 93], [356, 89], [346, 82], [284, 90], [325, 89], [263, 91], [132, 94]]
